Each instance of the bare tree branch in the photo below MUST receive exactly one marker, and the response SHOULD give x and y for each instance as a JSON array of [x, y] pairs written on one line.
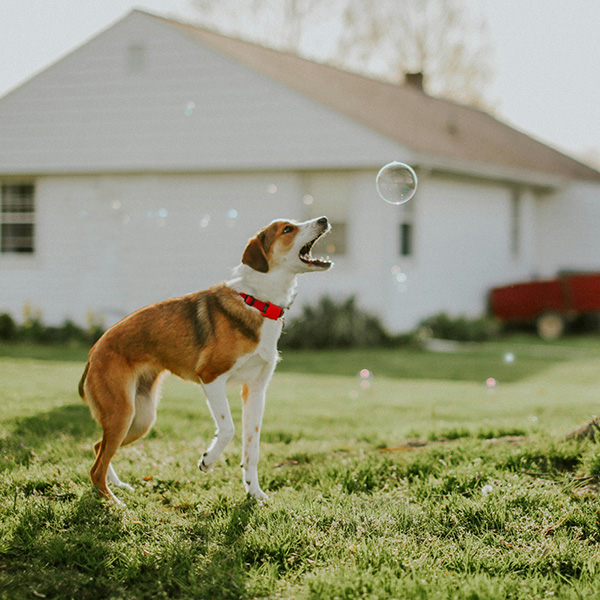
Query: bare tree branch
[[384, 38]]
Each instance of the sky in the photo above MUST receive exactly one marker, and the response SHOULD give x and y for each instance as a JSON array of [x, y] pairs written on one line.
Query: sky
[[546, 56]]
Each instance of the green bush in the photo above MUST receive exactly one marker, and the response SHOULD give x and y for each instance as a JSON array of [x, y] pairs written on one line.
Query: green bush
[[332, 324], [33, 330], [8, 328], [461, 329]]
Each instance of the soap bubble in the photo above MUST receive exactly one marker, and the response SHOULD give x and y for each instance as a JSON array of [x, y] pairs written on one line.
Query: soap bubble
[[308, 199], [509, 358], [272, 189], [232, 215], [396, 183], [365, 378], [491, 383], [188, 111], [204, 221]]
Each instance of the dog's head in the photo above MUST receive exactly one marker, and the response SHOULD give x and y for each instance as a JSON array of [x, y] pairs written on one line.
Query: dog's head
[[287, 245]]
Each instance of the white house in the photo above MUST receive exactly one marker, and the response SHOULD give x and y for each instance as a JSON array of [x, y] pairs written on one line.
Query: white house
[[137, 167]]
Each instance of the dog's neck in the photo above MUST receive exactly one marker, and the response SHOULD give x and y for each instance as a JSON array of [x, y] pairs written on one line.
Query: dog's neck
[[278, 287]]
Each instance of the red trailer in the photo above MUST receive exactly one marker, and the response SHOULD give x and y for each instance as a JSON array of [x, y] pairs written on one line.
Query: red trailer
[[551, 304]]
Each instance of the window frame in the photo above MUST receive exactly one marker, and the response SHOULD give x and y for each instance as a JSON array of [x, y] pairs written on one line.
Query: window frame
[[17, 210]]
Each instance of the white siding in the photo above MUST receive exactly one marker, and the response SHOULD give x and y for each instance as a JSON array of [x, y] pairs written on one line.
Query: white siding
[[109, 245], [569, 229], [462, 248], [188, 108]]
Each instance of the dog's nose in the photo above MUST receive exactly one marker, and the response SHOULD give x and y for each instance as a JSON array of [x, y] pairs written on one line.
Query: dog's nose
[[322, 221]]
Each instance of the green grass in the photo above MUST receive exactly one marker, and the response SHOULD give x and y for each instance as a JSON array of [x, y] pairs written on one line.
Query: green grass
[[355, 511]]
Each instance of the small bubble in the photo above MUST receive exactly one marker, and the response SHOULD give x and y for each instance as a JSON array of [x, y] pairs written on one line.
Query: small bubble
[[115, 204], [308, 199], [396, 269], [204, 221], [401, 277], [189, 108], [509, 358], [533, 419], [272, 189], [491, 383], [232, 213], [365, 379], [163, 213]]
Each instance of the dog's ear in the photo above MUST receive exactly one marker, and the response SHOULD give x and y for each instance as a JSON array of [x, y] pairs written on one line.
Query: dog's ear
[[255, 256]]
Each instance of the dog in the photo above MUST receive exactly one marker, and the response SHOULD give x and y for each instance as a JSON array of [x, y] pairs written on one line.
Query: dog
[[227, 333]]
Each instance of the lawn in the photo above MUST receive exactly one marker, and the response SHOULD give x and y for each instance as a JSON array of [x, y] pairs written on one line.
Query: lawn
[[423, 483]]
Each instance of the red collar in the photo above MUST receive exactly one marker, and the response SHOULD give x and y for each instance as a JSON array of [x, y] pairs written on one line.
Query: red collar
[[271, 311]]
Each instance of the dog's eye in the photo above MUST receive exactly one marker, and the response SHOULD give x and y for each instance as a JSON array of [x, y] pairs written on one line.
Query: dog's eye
[[288, 229]]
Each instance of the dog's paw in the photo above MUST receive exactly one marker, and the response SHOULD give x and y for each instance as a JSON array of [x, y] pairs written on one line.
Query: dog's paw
[[203, 466], [124, 486], [113, 479], [117, 503], [255, 492]]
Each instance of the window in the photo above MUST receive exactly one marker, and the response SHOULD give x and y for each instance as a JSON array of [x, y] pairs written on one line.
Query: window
[[136, 58], [515, 223], [328, 193], [406, 239], [17, 211], [406, 230]]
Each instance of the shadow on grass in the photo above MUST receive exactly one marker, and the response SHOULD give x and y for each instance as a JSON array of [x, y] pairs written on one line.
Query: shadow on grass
[[88, 550], [224, 575], [70, 422]]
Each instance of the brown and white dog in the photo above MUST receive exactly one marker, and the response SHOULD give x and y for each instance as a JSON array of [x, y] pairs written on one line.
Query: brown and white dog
[[225, 334]]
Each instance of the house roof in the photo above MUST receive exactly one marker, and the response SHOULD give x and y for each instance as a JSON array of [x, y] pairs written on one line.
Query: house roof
[[404, 113]]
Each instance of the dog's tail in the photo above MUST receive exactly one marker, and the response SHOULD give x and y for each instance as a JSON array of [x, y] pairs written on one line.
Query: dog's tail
[[82, 380]]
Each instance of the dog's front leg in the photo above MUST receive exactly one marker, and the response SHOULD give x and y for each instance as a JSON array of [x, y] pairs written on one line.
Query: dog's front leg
[[253, 398], [218, 404]]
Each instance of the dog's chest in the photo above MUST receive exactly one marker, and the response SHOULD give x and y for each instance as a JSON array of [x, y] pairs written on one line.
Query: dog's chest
[[251, 366]]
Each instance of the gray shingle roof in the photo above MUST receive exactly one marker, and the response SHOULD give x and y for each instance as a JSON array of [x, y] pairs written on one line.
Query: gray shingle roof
[[404, 113]]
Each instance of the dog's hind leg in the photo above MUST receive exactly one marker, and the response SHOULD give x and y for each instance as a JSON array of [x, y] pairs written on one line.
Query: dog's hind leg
[[113, 405], [111, 475], [219, 407], [109, 444], [147, 395]]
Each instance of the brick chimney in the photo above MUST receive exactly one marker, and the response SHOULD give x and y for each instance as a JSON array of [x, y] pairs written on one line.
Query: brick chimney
[[414, 80]]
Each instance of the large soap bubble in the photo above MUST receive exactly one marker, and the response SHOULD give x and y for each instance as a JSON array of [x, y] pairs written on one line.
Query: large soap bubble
[[396, 183]]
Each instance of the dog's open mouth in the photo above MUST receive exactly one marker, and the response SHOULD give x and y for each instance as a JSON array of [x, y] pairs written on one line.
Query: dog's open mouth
[[308, 259]]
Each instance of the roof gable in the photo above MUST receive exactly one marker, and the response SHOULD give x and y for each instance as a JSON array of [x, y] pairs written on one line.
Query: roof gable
[[143, 97]]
